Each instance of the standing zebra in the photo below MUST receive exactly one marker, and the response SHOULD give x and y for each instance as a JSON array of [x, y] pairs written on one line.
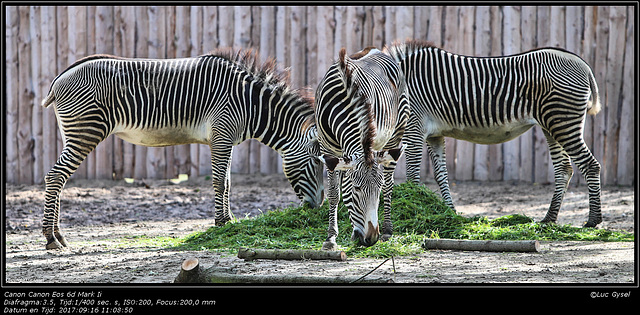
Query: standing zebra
[[361, 113], [219, 99], [491, 100]]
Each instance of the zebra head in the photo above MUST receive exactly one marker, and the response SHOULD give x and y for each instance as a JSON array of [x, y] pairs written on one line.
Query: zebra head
[[304, 170], [361, 186]]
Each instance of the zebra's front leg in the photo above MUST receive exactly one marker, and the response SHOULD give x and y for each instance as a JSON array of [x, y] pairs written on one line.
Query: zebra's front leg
[[435, 147], [387, 190], [413, 137], [221, 178], [334, 197]]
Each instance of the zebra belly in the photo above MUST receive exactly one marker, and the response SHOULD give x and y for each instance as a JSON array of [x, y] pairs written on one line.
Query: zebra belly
[[162, 137], [489, 135]]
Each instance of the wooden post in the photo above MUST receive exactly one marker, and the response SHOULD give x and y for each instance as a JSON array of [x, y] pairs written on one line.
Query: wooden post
[[613, 85], [626, 149], [25, 99], [12, 86], [41, 88]]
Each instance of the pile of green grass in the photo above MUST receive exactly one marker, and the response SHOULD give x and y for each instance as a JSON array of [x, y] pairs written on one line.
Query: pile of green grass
[[418, 213]]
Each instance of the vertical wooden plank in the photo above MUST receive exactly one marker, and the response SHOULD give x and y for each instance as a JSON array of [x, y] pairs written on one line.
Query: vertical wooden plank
[[528, 25], [496, 165], [12, 86], [77, 37], [626, 143], [436, 23], [353, 32], [48, 66], [482, 48], [420, 22], [390, 24], [41, 88], [465, 150], [325, 26], [25, 99], [339, 14], [379, 22], [615, 62], [511, 45]]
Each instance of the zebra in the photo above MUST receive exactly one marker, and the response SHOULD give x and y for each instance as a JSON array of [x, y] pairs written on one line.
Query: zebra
[[220, 98], [361, 112], [491, 100]]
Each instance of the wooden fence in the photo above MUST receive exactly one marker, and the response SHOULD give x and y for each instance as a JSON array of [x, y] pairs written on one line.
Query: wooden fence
[[42, 41]]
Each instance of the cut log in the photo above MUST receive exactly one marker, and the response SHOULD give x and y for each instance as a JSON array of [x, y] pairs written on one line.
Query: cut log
[[192, 273], [290, 254], [476, 245]]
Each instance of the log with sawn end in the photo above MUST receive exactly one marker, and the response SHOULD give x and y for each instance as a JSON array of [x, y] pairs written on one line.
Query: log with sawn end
[[478, 245]]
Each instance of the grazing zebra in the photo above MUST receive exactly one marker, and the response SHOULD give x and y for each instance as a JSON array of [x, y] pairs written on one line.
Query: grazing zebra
[[219, 99], [491, 100], [361, 112]]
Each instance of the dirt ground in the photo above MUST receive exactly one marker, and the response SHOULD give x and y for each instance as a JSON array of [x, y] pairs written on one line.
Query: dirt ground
[[97, 214]]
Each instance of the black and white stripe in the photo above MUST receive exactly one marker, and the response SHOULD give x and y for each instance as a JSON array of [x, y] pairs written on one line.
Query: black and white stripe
[[495, 99], [219, 99], [361, 113]]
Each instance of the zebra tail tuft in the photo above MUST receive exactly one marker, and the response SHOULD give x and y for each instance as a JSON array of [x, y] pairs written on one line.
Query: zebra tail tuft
[[593, 105], [50, 99]]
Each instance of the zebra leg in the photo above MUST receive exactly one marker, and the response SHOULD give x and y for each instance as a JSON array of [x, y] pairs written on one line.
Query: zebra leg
[[562, 173], [334, 197], [221, 178], [414, 139], [590, 169], [387, 190], [67, 163], [435, 147]]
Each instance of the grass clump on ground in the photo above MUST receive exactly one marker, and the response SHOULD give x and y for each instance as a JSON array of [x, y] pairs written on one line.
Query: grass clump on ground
[[417, 213]]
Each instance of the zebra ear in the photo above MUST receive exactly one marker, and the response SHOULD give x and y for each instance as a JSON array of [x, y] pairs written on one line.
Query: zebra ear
[[391, 155], [333, 163]]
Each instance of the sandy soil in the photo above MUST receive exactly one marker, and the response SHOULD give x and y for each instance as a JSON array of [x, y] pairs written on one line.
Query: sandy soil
[[96, 214]]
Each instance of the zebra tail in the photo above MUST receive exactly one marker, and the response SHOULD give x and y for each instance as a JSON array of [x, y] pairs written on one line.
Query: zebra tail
[[593, 105], [50, 99]]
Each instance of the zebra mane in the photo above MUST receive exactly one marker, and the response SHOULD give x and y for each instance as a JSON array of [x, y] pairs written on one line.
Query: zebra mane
[[400, 50], [268, 73], [362, 106]]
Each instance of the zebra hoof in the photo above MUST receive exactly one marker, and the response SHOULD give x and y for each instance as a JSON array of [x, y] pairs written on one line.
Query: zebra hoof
[[385, 237], [62, 240], [329, 246], [591, 224], [54, 244]]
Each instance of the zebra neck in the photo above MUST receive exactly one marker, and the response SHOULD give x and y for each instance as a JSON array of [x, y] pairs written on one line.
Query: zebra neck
[[278, 118]]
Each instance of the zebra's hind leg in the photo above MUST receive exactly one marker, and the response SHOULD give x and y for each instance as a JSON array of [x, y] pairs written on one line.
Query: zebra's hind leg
[[435, 147], [590, 169], [563, 172], [67, 163], [220, 175]]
